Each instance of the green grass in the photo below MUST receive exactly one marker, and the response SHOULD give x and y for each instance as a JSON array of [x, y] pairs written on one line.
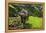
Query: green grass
[[35, 21]]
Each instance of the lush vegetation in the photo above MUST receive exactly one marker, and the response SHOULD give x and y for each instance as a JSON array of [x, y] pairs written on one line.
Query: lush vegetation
[[34, 10], [34, 20]]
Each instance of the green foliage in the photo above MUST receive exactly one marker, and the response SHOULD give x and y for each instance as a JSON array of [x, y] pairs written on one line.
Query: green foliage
[[34, 10], [35, 21], [35, 14], [27, 26], [16, 22]]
